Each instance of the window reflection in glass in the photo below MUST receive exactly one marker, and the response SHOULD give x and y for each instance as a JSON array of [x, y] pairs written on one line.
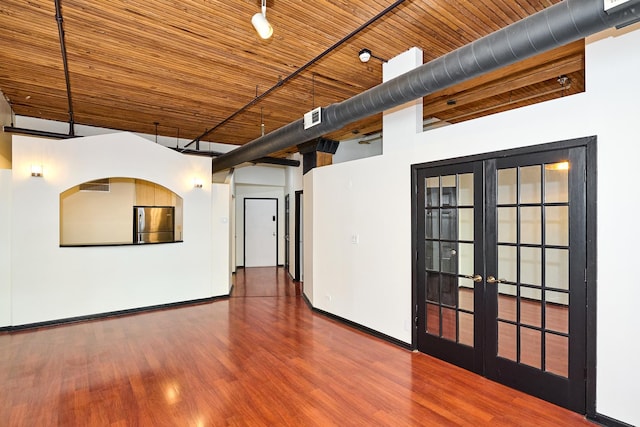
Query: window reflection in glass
[[530, 184], [507, 186], [556, 182]]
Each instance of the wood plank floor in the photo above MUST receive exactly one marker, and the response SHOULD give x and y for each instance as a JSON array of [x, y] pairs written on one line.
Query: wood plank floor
[[259, 358]]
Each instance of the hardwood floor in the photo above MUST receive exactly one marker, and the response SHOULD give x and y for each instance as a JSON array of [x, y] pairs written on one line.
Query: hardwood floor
[[259, 358]]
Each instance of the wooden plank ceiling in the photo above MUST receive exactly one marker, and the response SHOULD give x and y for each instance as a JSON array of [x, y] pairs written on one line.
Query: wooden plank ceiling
[[191, 64]]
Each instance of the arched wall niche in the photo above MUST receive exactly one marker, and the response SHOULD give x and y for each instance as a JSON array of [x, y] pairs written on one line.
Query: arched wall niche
[[104, 212]]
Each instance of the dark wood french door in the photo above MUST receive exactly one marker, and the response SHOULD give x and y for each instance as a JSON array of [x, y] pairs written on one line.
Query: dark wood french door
[[500, 269]]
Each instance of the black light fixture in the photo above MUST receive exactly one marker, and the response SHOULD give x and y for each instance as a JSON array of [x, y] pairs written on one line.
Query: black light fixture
[[365, 55]]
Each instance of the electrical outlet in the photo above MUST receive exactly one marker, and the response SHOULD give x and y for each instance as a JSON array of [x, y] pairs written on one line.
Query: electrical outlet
[[355, 239]]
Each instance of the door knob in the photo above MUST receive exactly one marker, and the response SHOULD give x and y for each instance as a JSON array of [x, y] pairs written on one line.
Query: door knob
[[492, 279], [477, 278]]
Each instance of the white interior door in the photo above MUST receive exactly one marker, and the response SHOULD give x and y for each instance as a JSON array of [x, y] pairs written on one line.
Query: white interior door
[[260, 232]]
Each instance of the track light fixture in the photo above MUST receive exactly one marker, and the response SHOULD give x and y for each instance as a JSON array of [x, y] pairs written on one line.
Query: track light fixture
[[365, 55], [260, 23]]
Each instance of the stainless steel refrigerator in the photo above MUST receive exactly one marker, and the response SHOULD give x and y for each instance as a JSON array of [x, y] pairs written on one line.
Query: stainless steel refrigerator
[[153, 224]]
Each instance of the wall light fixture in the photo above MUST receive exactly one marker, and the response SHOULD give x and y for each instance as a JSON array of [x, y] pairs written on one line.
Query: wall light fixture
[[36, 170]]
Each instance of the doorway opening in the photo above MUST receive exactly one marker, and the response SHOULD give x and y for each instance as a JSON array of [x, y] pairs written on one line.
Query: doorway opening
[[260, 232]]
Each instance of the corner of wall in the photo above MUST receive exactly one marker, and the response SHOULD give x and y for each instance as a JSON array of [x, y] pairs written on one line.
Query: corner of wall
[[308, 234], [5, 138], [5, 247], [402, 122], [221, 242]]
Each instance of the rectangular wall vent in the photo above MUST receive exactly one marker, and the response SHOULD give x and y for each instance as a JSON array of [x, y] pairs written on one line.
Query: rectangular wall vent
[[611, 6], [97, 185], [312, 118]]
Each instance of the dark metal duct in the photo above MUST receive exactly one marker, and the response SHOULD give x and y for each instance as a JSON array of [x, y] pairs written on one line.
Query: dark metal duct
[[266, 160], [555, 26]]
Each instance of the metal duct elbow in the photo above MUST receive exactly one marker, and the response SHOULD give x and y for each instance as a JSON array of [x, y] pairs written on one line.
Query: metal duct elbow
[[552, 27]]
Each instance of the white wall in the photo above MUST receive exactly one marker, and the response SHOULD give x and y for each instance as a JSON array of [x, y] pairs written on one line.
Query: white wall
[[49, 282], [260, 175], [293, 177], [221, 254], [370, 282], [5, 247], [354, 150], [402, 123], [309, 238], [612, 108]]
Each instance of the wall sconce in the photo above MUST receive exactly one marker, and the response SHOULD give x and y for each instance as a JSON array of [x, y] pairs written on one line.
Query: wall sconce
[[197, 183], [36, 170]]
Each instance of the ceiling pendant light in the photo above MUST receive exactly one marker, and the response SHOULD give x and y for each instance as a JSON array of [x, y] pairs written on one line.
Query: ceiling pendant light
[[260, 23]]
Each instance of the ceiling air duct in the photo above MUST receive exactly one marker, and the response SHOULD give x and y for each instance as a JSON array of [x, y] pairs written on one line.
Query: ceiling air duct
[[555, 26]]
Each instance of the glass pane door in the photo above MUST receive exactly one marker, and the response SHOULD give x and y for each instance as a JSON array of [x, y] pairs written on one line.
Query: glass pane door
[[448, 294], [535, 280], [449, 250], [533, 266], [500, 271]]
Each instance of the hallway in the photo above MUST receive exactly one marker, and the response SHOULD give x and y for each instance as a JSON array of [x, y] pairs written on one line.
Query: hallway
[[258, 358]]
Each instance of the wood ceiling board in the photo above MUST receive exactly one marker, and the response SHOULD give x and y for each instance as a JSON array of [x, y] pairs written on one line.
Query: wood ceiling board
[[507, 82], [190, 64]]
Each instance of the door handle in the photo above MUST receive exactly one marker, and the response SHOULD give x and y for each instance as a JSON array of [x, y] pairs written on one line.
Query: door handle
[[492, 279], [477, 278]]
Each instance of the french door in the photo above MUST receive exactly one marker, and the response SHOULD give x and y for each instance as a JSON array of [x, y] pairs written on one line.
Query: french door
[[500, 270]]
